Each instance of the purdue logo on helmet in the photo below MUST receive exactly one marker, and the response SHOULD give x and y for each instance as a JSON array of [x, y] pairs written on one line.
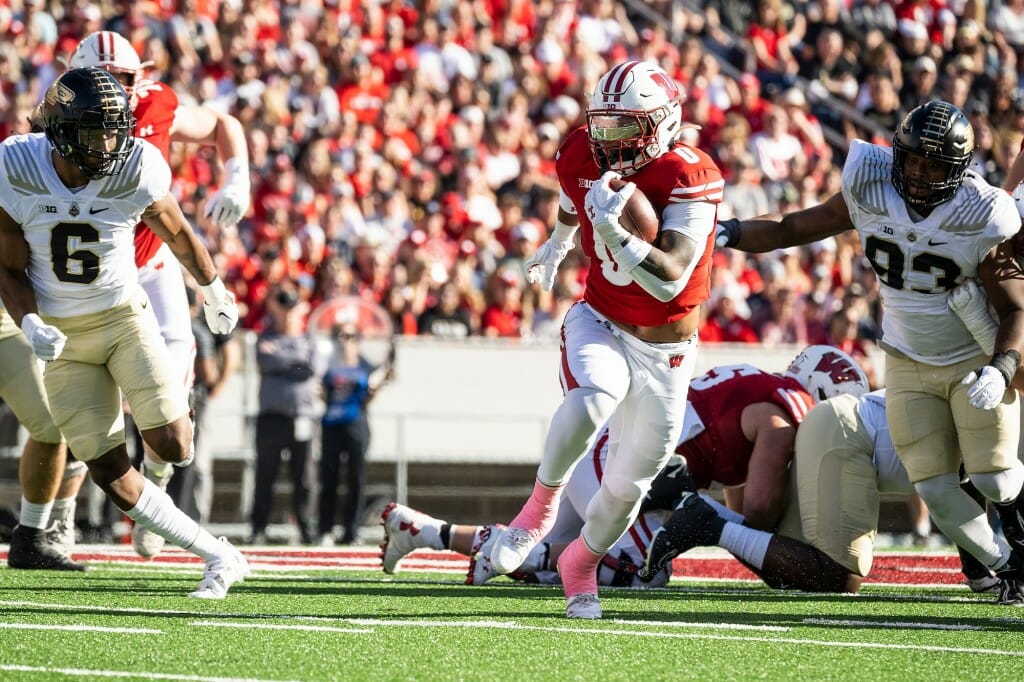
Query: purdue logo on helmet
[[937, 131], [633, 116], [86, 118]]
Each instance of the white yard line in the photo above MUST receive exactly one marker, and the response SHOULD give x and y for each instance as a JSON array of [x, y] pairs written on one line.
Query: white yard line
[[79, 628], [130, 674], [704, 626], [499, 625], [271, 626], [879, 624]]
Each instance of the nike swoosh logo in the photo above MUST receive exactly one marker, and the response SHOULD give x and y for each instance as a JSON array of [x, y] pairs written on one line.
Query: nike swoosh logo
[[94, 211], [934, 243]]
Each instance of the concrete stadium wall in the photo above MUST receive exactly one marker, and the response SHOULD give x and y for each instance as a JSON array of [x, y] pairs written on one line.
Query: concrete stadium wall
[[478, 401]]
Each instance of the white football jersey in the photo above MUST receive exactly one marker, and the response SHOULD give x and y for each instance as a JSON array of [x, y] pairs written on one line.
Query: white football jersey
[[892, 477], [918, 263], [81, 241]]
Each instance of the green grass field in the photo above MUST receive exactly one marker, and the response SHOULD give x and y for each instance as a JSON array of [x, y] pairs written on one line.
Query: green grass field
[[308, 621]]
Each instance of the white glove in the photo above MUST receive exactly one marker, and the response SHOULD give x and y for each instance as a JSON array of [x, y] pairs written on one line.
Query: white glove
[[228, 204], [969, 302], [47, 341], [987, 387], [604, 204], [542, 265], [219, 307]]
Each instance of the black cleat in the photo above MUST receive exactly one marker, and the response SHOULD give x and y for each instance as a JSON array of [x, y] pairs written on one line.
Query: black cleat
[[694, 523], [30, 550], [1011, 582], [979, 577], [1011, 518]]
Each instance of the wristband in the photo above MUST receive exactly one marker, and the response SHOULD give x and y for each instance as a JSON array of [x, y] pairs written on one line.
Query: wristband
[[562, 232], [236, 172], [214, 291], [1006, 362]]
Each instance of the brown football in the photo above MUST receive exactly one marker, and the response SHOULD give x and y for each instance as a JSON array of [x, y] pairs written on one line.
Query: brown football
[[639, 216]]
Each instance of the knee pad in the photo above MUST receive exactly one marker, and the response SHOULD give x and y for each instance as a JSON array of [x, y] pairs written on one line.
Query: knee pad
[[74, 468], [1001, 486]]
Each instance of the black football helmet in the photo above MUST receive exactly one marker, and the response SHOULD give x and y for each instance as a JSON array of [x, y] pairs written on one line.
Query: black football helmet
[[88, 121], [939, 131]]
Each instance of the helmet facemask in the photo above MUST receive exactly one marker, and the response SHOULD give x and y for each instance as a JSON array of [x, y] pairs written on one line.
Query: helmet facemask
[[938, 132], [87, 121], [633, 117]]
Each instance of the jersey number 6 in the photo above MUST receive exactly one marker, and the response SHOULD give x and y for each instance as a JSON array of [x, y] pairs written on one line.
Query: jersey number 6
[[79, 266]]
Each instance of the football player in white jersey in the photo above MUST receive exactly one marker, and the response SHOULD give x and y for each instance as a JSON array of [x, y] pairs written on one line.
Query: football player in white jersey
[[927, 224], [69, 203], [161, 119]]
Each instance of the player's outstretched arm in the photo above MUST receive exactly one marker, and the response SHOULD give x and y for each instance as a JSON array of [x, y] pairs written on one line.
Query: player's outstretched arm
[[770, 232], [165, 218]]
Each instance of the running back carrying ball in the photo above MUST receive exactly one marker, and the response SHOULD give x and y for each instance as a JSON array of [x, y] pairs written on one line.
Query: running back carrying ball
[[639, 216]]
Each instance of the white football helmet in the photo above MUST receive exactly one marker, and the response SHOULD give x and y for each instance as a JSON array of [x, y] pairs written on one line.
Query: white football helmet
[[826, 371], [111, 51], [633, 116]]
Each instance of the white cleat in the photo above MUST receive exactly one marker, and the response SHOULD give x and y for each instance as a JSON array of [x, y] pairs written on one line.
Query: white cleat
[[584, 606], [480, 568], [512, 547], [60, 533], [403, 532], [222, 573]]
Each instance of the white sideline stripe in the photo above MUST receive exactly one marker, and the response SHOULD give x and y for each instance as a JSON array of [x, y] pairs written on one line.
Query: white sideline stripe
[[704, 626], [271, 626], [131, 674], [876, 624], [664, 635], [79, 628], [113, 609]]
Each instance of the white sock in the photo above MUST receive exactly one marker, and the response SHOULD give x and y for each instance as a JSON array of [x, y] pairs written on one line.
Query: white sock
[[746, 543], [723, 511], [34, 515], [64, 509], [155, 511]]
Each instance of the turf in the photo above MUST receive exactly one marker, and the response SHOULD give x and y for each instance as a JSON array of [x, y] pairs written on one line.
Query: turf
[[303, 622]]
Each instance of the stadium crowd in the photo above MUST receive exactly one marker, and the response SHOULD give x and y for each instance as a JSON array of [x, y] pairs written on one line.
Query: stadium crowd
[[403, 151]]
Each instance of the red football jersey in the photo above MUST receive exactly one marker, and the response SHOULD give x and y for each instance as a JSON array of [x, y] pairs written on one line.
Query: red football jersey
[[683, 174], [154, 115], [721, 452]]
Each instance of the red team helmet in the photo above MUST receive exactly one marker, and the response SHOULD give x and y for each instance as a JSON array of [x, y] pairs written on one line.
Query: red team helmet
[[112, 52], [633, 116], [826, 371]]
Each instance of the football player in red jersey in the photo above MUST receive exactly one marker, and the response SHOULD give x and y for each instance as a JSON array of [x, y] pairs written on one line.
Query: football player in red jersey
[[160, 120], [628, 348]]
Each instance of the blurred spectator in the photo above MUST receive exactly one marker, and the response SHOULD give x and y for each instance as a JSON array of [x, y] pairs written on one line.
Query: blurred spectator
[[349, 384], [447, 318], [920, 84], [289, 366], [728, 317]]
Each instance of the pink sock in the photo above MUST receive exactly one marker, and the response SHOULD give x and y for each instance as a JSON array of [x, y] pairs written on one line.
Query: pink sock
[[539, 511], [577, 567]]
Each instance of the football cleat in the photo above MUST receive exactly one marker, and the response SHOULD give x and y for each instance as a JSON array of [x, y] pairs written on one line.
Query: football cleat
[[989, 583], [30, 550], [979, 577], [222, 573], [584, 606], [403, 532], [60, 533], [480, 568], [694, 523], [146, 543], [512, 547], [669, 486], [1011, 583]]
